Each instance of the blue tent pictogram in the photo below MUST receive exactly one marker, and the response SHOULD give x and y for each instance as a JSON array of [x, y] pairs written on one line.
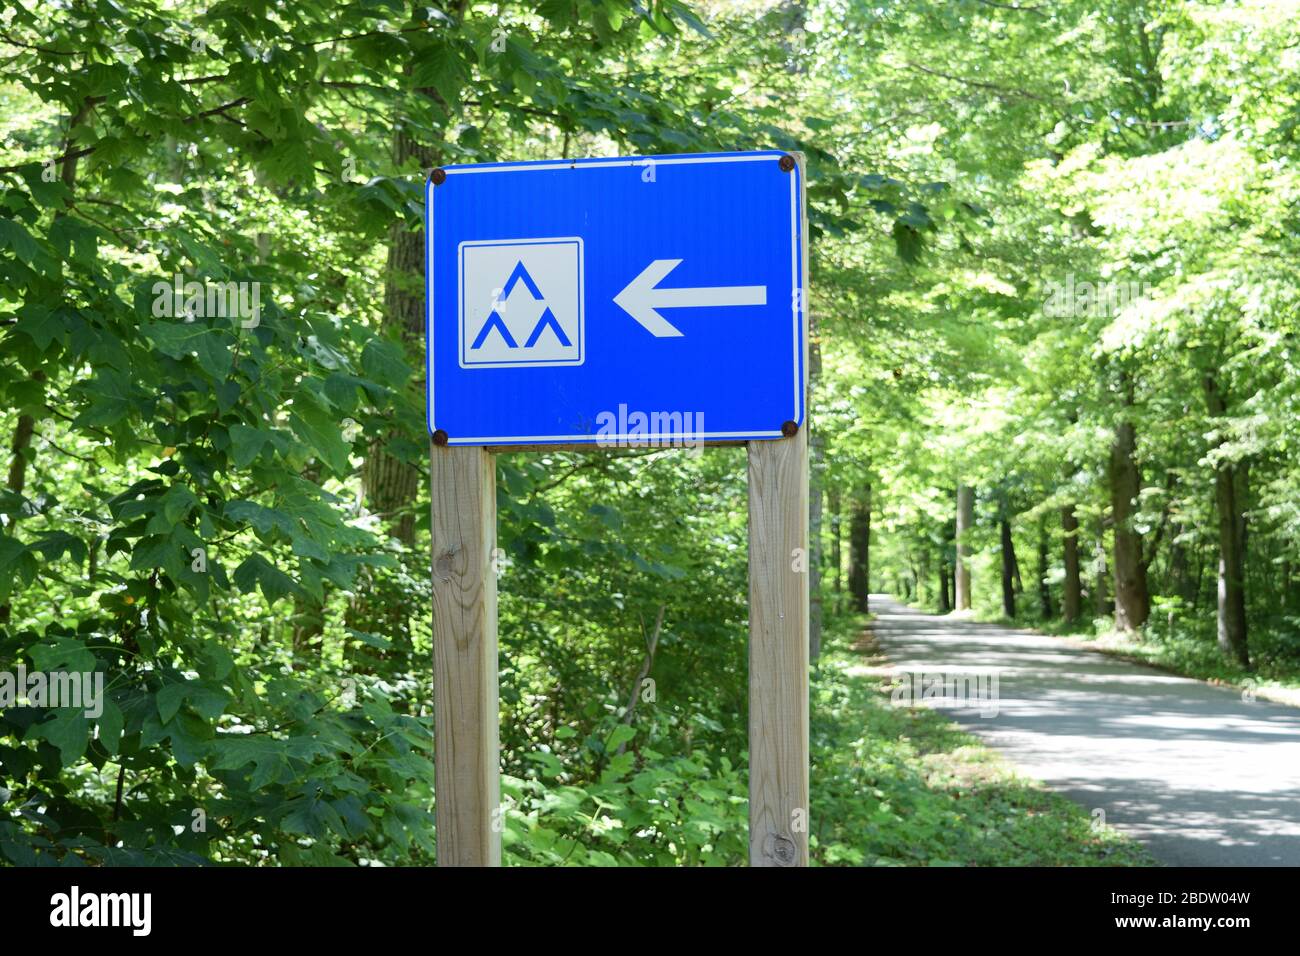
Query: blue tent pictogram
[[547, 320]]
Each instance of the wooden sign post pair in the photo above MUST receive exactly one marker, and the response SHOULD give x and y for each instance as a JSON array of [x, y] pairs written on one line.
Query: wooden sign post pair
[[469, 814]]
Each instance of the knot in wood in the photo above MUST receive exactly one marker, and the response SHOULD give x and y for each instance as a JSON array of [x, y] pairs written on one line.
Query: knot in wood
[[782, 850], [442, 567]]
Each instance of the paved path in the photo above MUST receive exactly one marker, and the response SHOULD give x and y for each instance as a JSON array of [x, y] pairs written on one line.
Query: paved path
[[1199, 775]]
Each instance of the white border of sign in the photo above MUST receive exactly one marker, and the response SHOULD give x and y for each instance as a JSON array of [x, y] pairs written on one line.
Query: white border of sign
[[798, 312]]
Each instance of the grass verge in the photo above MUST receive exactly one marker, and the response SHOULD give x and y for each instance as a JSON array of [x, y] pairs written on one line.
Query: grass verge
[[903, 786]]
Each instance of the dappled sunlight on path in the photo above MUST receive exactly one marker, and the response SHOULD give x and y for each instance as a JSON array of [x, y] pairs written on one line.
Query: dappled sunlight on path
[[1200, 775]]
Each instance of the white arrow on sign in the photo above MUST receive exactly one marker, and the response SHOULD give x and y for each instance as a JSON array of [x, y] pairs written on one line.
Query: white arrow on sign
[[640, 299]]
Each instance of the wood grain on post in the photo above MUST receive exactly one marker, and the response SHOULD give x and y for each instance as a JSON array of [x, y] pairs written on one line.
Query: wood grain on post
[[465, 690], [778, 651]]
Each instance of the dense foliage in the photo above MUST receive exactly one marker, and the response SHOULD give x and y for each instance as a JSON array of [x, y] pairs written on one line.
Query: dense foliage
[[1131, 449], [223, 510]]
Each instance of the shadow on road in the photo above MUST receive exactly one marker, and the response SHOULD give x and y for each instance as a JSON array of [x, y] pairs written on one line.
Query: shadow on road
[[1200, 775]]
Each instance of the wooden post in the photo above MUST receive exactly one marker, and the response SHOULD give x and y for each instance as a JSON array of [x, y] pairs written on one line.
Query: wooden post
[[465, 693], [778, 651]]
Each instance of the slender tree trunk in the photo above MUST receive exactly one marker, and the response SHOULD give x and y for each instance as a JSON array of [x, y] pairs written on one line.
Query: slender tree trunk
[[1072, 592], [860, 552], [1199, 580], [1288, 597], [1180, 571], [18, 477], [1044, 589], [1232, 566], [965, 519], [1132, 600], [944, 606], [389, 484], [925, 581], [833, 501], [1016, 580], [1100, 605], [1008, 564], [950, 561], [23, 432], [26, 425], [651, 643], [1230, 506]]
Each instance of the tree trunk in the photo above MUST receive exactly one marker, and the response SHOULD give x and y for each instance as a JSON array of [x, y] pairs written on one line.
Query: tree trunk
[[1180, 571], [1044, 589], [1132, 600], [833, 501], [1071, 598], [1229, 503], [1008, 565], [1232, 565], [389, 484], [1288, 597], [949, 561], [1015, 572], [944, 606], [1100, 605], [18, 453], [1200, 576], [965, 518], [860, 552], [26, 425]]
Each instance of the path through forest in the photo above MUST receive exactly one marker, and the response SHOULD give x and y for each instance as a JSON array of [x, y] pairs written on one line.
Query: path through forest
[[1201, 776]]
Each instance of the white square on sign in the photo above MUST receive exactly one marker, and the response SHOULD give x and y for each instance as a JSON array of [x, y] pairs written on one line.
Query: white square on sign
[[521, 302]]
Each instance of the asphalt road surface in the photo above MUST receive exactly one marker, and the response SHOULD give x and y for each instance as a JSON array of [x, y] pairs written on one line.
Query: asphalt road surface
[[1197, 773]]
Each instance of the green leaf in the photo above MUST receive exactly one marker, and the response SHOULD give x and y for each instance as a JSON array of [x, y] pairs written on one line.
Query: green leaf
[[440, 67], [62, 654], [208, 702], [262, 519], [323, 434], [256, 570], [246, 444], [109, 398], [68, 730], [177, 503], [19, 241], [180, 339], [385, 362], [15, 563], [168, 701], [111, 724], [621, 735], [41, 324], [52, 545]]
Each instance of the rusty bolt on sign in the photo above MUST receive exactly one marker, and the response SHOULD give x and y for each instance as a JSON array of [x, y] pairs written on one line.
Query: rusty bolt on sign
[[789, 429], [440, 437], [438, 176], [786, 163]]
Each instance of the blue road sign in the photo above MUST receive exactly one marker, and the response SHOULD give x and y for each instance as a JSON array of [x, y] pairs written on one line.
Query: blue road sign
[[615, 301]]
